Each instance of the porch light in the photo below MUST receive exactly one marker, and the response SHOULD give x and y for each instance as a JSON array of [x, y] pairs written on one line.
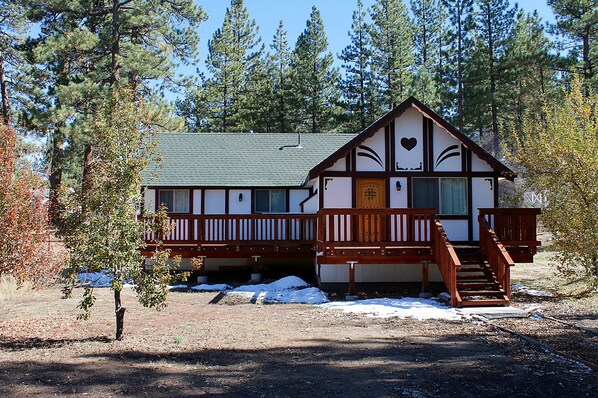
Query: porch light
[[241, 197], [398, 185]]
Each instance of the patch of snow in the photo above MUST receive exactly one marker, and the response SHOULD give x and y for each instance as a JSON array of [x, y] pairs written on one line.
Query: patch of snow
[[218, 287], [99, 279], [416, 308], [310, 295], [519, 288], [96, 279], [286, 283], [178, 287]]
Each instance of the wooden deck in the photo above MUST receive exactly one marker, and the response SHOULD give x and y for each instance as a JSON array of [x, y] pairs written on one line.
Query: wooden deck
[[367, 236]]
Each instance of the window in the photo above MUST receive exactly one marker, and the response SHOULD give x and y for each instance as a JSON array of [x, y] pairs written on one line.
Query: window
[[446, 195], [270, 201], [175, 200]]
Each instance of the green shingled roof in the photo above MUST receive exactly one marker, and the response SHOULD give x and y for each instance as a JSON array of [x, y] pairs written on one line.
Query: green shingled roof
[[239, 159]]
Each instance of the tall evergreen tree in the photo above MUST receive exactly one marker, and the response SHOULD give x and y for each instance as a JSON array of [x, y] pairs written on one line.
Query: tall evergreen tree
[[427, 24], [314, 80], [578, 21], [493, 23], [530, 78], [85, 47], [279, 60], [234, 55], [12, 23], [392, 54], [357, 84], [460, 12]]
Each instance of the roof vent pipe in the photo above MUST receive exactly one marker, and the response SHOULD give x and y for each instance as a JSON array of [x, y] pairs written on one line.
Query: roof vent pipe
[[298, 146]]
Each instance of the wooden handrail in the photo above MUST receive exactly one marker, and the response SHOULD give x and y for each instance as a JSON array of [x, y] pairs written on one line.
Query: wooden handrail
[[495, 253], [447, 260], [240, 228]]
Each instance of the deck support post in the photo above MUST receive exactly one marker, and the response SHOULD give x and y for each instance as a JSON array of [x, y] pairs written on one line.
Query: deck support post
[[256, 276], [425, 293], [351, 295]]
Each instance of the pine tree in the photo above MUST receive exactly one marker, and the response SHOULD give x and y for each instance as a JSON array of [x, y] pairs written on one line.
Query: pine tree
[[279, 60], [530, 82], [85, 47], [427, 24], [392, 55], [314, 80], [460, 12], [578, 21], [357, 84], [493, 21], [234, 54]]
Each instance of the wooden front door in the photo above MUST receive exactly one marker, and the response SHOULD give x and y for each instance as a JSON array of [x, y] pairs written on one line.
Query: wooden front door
[[370, 194]]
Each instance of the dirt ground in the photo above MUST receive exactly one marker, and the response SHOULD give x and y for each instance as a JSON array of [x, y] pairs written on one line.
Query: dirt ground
[[232, 348]]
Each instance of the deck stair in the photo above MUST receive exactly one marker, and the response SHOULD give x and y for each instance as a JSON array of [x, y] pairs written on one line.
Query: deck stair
[[476, 283]]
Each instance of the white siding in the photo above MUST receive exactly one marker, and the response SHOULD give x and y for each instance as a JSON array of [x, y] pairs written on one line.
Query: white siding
[[445, 146], [456, 229], [371, 153], [478, 164], [242, 207], [197, 201], [339, 165], [372, 273], [482, 192], [398, 199], [296, 196], [214, 201], [337, 192], [408, 131], [149, 200]]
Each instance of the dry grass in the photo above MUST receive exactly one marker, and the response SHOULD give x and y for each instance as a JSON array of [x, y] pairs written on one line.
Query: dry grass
[[9, 288]]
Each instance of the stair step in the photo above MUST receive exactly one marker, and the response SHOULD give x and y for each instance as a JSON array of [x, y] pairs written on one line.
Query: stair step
[[484, 303], [471, 270], [481, 293], [475, 285], [481, 278]]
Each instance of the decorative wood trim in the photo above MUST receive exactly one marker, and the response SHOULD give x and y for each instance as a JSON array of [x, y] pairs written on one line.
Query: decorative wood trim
[[382, 174], [226, 201], [321, 191], [495, 192], [354, 160], [191, 201], [426, 145], [463, 159], [498, 167], [348, 162], [470, 217], [388, 165], [392, 148], [430, 148], [203, 201], [288, 200], [409, 192], [353, 192]]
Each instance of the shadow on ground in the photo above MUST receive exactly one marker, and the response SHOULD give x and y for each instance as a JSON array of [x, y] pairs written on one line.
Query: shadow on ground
[[418, 366]]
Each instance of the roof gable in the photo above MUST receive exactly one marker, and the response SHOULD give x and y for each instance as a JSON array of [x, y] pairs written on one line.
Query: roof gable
[[396, 112]]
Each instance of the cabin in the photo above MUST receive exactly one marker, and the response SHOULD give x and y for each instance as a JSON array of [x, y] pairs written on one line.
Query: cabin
[[409, 199]]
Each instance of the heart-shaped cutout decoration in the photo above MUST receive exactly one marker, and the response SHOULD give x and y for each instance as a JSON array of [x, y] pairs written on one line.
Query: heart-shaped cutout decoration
[[408, 143]]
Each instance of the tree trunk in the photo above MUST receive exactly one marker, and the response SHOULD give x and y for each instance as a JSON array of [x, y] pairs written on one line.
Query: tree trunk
[[115, 65], [119, 311], [4, 93], [459, 68]]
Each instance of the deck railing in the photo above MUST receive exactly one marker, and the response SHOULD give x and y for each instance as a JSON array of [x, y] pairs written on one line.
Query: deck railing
[[240, 228], [363, 226], [447, 260], [495, 253], [512, 226]]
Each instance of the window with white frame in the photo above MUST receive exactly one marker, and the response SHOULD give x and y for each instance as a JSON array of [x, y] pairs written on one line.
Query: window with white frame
[[175, 200], [448, 195], [270, 201]]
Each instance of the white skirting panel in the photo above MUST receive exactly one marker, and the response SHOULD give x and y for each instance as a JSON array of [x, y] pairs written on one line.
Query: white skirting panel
[[377, 273]]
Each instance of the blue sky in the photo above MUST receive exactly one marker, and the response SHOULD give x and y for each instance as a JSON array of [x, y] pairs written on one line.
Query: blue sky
[[336, 15]]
